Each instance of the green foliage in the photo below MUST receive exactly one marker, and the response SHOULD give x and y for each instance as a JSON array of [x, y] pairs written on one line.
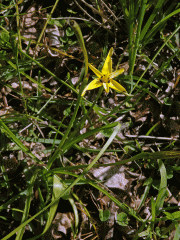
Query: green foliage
[[104, 215], [57, 22], [48, 131], [122, 219], [4, 40], [168, 101]]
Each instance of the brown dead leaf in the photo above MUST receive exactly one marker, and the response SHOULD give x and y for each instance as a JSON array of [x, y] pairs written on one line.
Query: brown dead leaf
[[61, 226], [28, 20]]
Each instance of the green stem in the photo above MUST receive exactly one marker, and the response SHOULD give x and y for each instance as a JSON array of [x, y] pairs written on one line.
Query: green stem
[[81, 42]]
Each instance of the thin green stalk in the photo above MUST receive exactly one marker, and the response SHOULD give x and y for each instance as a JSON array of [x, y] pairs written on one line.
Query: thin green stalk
[[27, 76], [18, 25], [85, 210], [145, 193], [151, 18], [78, 102], [152, 128], [125, 10], [9, 134], [175, 31], [137, 37], [81, 124], [6, 130], [49, 72], [29, 196], [16, 53], [151, 33], [48, 101], [144, 88], [80, 38], [66, 191], [96, 185], [95, 101], [57, 152], [68, 144], [46, 23], [154, 155], [131, 31], [163, 185]]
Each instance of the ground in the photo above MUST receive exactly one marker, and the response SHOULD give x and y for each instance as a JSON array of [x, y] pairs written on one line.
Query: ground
[[99, 166]]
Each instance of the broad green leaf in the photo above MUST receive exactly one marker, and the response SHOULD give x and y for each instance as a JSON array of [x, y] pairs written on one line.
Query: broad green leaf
[[122, 219], [163, 185], [104, 215], [58, 189], [177, 234]]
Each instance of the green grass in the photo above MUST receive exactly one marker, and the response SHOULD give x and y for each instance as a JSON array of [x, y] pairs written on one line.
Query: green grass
[[49, 134]]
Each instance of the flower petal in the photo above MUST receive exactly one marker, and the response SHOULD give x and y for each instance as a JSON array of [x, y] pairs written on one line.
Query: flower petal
[[107, 68], [97, 72], [94, 84], [115, 85], [116, 73], [106, 87]]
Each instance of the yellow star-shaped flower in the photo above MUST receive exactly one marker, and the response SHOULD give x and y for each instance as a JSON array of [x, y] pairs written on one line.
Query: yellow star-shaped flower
[[105, 78]]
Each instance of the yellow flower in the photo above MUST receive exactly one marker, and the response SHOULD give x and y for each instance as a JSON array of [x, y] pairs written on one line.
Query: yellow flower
[[105, 78]]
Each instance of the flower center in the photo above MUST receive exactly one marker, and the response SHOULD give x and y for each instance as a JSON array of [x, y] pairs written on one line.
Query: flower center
[[104, 79]]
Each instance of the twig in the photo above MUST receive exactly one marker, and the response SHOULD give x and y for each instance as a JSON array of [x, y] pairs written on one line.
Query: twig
[[151, 137], [87, 13], [110, 11], [101, 14]]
